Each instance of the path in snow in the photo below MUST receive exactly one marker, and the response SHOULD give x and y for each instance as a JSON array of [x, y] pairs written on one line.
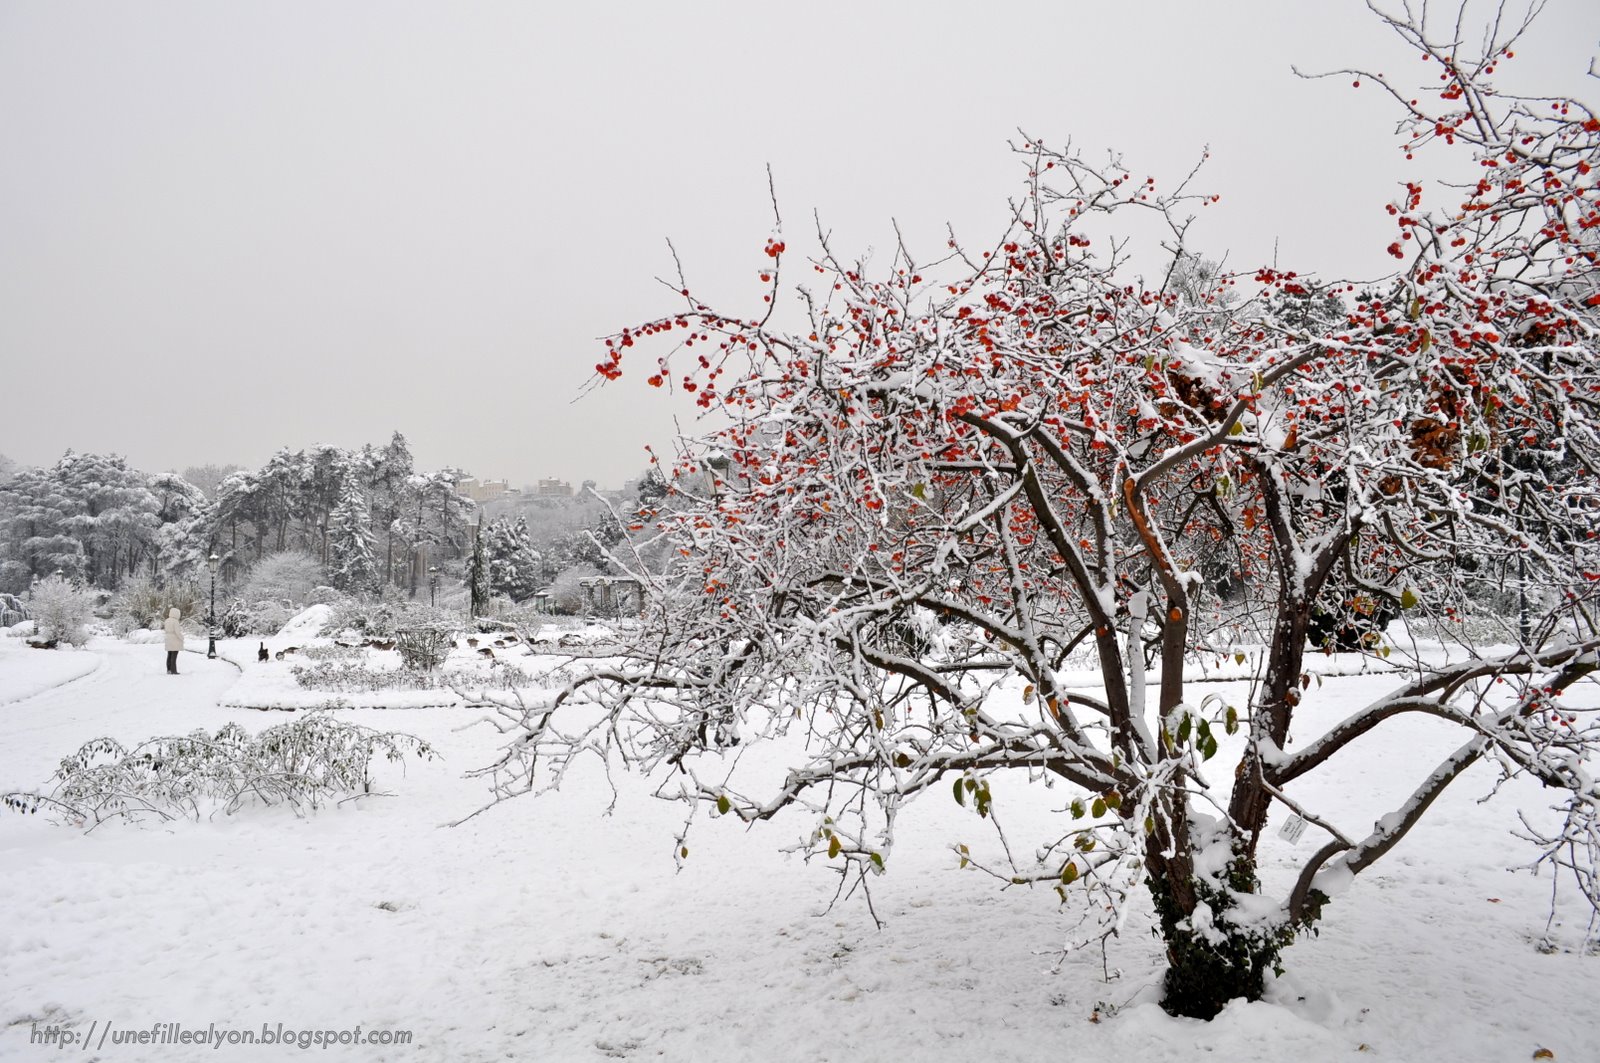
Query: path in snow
[[128, 696], [28, 672]]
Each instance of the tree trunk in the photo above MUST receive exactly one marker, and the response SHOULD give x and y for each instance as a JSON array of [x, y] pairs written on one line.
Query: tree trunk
[[1210, 961], [1280, 693]]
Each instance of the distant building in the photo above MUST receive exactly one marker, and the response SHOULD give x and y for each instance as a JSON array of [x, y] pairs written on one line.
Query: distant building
[[485, 490], [553, 489]]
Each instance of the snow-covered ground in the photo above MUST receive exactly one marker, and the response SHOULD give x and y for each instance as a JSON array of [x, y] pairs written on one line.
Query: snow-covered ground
[[28, 671], [552, 930]]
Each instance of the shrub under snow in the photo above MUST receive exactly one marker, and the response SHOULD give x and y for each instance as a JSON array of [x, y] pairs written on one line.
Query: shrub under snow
[[62, 610]]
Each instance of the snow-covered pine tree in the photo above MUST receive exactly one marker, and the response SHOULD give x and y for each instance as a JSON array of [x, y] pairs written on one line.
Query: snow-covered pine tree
[[34, 537], [513, 562], [388, 478], [351, 563]]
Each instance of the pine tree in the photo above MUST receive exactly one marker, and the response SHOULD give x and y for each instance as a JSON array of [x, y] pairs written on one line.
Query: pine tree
[[351, 563], [478, 576], [513, 562], [389, 476]]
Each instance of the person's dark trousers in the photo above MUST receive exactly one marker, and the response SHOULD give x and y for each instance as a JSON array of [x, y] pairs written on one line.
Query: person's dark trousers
[[172, 662]]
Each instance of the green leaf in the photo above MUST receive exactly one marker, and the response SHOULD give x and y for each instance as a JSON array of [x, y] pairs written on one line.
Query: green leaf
[[1231, 724], [1183, 731], [1236, 430], [1098, 808], [1208, 748], [1113, 799], [877, 858], [1076, 808], [919, 490], [960, 792], [723, 804], [1408, 599], [1069, 874], [833, 846]]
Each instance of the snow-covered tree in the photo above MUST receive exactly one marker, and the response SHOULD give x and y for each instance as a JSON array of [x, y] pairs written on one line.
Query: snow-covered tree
[[958, 479], [479, 578], [514, 565], [184, 519], [437, 513], [112, 513], [351, 564], [35, 539], [287, 577], [389, 472]]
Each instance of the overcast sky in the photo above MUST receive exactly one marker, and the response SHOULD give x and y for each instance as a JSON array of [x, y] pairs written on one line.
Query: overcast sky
[[228, 227]]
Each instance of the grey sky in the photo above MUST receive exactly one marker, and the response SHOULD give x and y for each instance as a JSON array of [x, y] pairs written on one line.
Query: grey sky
[[228, 227]]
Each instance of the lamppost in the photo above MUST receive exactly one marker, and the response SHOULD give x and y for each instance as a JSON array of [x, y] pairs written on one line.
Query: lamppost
[[211, 621], [433, 584]]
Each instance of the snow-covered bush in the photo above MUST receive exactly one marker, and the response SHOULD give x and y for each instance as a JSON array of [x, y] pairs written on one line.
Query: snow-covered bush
[[143, 603], [265, 618], [383, 619], [291, 576], [62, 610], [301, 764], [366, 617], [346, 655], [425, 646], [350, 677], [234, 620], [256, 618]]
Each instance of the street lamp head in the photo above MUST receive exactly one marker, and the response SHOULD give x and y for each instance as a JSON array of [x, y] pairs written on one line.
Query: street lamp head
[[212, 562]]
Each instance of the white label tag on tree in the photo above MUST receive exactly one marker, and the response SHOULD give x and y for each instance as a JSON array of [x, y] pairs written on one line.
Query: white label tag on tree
[[1292, 828]]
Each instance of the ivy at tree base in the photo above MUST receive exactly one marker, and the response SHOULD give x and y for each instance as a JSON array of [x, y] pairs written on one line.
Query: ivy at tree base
[[1203, 976]]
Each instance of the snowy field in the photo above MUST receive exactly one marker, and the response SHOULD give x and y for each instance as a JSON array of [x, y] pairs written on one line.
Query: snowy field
[[556, 930]]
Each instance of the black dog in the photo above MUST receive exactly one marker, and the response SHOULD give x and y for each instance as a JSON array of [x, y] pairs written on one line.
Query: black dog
[[261, 654]]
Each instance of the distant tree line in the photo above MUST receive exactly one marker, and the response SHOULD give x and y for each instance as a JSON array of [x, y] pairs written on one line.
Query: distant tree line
[[368, 517]]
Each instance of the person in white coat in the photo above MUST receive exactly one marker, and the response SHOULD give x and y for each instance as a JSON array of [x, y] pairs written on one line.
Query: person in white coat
[[174, 639]]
